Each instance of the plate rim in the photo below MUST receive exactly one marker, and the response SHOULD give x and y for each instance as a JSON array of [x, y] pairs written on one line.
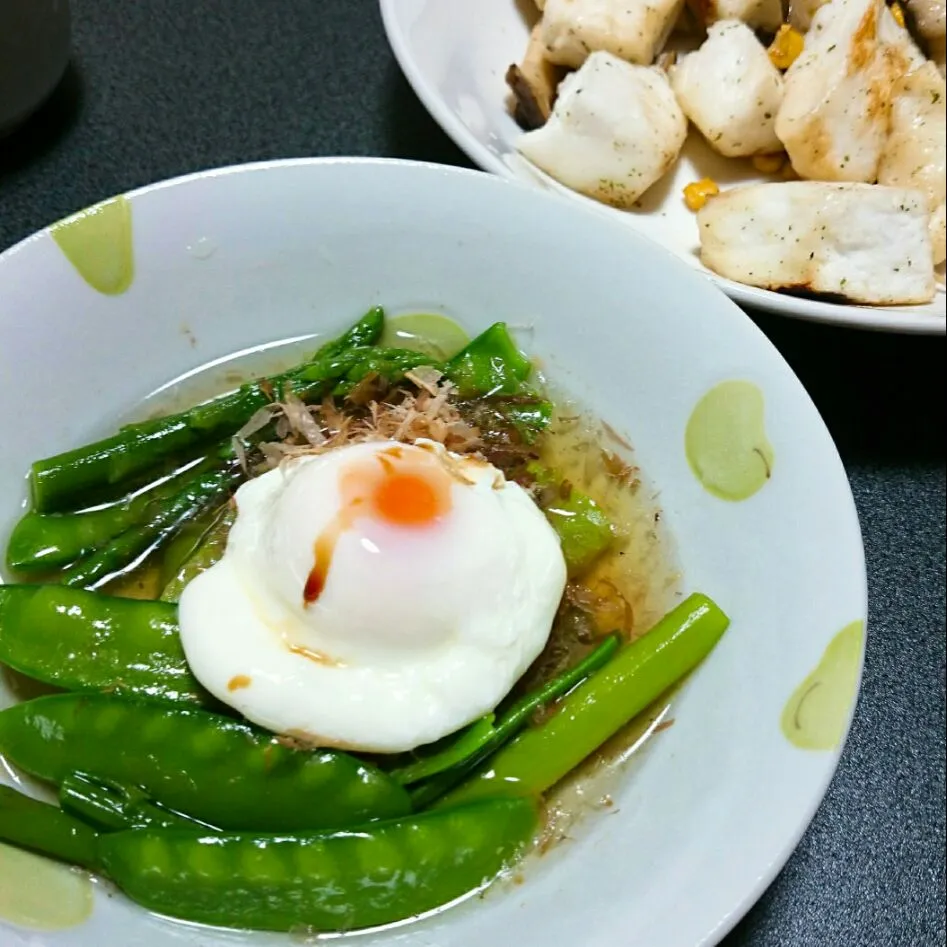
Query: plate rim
[[885, 319]]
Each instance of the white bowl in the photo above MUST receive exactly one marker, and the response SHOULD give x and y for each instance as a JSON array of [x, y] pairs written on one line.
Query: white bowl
[[455, 55], [229, 260]]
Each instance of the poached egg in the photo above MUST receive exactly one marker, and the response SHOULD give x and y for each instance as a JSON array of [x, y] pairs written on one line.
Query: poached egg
[[375, 597]]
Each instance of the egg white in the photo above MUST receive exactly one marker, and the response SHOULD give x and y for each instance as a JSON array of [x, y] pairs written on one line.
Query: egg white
[[417, 632]]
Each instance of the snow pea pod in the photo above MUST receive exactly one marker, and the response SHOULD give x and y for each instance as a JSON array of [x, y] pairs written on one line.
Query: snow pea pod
[[490, 364], [109, 806], [584, 530], [339, 881], [492, 368], [40, 827], [86, 641], [540, 756], [530, 415], [212, 768], [189, 537], [208, 550]]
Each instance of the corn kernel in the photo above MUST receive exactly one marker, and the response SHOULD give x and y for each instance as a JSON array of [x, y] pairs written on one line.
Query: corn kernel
[[769, 164], [786, 47], [698, 193], [898, 13]]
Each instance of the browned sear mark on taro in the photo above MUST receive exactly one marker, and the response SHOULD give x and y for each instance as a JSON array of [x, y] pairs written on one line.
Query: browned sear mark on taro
[[863, 48], [238, 682]]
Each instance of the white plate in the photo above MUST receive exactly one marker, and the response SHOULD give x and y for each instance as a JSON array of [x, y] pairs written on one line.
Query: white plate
[[226, 261], [455, 54]]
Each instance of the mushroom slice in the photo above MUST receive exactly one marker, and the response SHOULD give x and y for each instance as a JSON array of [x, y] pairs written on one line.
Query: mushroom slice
[[533, 83], [930, 18]]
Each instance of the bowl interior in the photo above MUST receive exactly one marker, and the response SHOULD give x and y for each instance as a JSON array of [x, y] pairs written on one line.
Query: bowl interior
[[230, 261]]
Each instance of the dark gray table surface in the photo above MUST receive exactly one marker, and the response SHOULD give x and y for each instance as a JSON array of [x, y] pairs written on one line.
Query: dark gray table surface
[[158, 88]]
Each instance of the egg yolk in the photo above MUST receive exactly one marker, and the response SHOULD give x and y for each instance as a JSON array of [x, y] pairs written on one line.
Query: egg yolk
[[406, 499], [404, 490]]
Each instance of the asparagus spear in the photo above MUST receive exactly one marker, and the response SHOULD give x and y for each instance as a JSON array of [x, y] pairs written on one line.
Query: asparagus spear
[[195, 496], [41, 542], [390, 364], [57, 482], [540, 756], [40, 827], [487, 734], [367, 331]]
